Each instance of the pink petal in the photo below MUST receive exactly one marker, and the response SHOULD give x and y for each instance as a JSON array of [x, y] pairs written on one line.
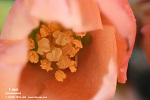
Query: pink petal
[[13, 46], [9, 76], [121, 16], [75, 14], [13, 52], [12, 59]]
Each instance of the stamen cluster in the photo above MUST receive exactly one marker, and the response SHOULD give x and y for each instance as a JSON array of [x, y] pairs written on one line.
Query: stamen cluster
[[57, 48]]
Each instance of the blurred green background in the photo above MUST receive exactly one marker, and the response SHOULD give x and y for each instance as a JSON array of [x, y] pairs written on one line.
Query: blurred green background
[[5, 6]]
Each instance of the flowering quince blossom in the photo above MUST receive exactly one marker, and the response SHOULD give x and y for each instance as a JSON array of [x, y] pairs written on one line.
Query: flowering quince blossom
[[111, 25], [146, 40]]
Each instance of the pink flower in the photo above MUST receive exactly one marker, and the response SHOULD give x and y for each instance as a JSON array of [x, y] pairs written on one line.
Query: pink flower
[[112, 27], [142, 12], [144, 17], [146, 40]]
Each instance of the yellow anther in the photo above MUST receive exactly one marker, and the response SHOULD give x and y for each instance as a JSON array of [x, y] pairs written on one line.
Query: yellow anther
[[66, 50], [46, 64], [54, 55], [31, 43], [44, 32], [61, 38], [38, 37], [33, 57], [54, 27], [81, 34], [72, 66], [45, 26], [43, 46], [73, 69], [64, 62], [69, 33], [60, 75], [77, 43], [73, 52]]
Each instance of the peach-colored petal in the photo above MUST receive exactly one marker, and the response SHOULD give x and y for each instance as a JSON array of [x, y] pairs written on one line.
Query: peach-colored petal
[[121, 16], [96, 74], [146, 40], [13, 52], [75, 14], [12, 59], [90, 16], [94, 71], [121, 53], [32, 80], [9, 77], [19, 23], [13, 46]]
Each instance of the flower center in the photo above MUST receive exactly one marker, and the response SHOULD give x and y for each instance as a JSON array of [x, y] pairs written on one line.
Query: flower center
[[55, 46]]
